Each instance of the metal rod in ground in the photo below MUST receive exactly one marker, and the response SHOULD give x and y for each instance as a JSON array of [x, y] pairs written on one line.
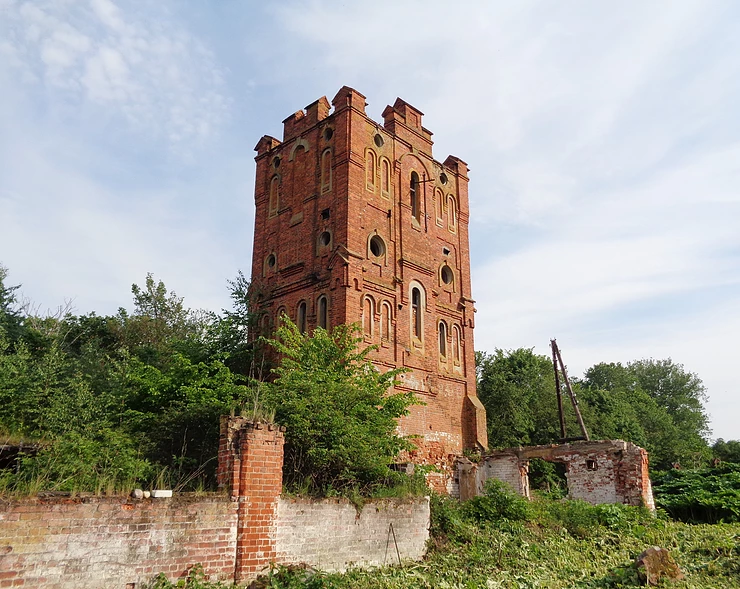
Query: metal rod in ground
[[557, 389], [573, 399], [387, 543], [398, 554]]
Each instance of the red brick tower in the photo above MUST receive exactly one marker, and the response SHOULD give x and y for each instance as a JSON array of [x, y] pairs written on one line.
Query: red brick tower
[[356, 222]]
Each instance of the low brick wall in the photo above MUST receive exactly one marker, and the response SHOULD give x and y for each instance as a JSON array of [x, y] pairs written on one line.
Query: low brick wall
[[332, 535], [97, 542], [120, 543]]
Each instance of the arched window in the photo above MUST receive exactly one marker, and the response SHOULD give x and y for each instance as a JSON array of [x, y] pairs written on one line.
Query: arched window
[[301, 317], [322, 312], [451, 214], [417, 312], [274, 203], [415, 197], [456, 344], [385, 321], [368, 315], [439, 203], [443, 339], [370, 169], [385, 177], [326, 171]]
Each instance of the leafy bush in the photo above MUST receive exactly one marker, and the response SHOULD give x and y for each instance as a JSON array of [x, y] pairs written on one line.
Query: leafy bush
[[707, 495], [498, 502], [341, 419]]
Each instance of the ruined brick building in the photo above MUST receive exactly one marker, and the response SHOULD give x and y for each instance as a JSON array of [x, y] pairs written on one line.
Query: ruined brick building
[[357, 222]]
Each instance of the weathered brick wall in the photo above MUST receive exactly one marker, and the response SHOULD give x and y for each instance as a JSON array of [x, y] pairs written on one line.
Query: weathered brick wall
[[331, 534], [96, 542], [113, 542]]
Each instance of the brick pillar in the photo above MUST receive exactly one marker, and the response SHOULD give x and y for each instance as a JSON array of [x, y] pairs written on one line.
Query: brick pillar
[[251, 463]]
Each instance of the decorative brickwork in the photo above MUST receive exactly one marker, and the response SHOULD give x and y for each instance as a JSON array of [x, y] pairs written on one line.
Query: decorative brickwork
[[611, 471], [356, 222]]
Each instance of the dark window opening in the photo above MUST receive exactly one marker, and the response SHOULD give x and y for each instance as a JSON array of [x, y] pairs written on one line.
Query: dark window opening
[[323, 321], [443, 339], [415, 204], [329, 133], [271, 260], [301, 319], [416, 312], [378, 140], [447, 275], [324, 239], [377, 246], [591, 465], [325, 214]]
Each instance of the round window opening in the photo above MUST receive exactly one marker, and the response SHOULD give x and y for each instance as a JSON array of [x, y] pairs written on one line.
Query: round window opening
[[276, 162], [324, 239], [271, 260], [377, 246], [447, 276], [329, 133], [443, 178], [378, 140]]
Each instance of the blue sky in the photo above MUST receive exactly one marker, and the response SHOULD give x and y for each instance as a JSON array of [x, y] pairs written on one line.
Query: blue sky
[[603, 141]]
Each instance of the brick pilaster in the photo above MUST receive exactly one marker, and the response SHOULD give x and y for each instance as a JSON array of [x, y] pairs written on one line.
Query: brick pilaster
[[255, 452]]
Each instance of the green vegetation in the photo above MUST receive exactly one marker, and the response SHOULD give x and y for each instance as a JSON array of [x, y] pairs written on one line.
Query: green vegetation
[[707, 495], [340, 420]]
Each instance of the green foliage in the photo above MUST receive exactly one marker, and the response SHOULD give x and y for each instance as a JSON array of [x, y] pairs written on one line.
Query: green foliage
[[340, 417], [655, 403], [498, 502], [517, 388], [707, 495], [195, 579]]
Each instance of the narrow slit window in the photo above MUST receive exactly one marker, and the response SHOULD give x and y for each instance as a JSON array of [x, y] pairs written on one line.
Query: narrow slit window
[[274, 203], [301, 317], [415, 197], [451, 214], [443, 339], [416, 312], [368, 311], [385, 177], [385, 321], [370, 170], [323, 312], [456, 351], [326, 171]]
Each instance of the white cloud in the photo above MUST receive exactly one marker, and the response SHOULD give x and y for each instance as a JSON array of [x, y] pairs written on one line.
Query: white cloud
[[147, 73]]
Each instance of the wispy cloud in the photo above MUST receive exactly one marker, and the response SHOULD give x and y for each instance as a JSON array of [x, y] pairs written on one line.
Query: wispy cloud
[[120, 64]]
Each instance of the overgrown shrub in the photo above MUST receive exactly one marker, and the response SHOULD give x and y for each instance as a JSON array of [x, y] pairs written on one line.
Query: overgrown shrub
[[498, 502], [340, 417]]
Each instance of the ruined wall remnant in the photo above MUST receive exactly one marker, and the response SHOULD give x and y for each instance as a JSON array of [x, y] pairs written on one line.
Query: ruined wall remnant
[[91, 542], [610, 471]]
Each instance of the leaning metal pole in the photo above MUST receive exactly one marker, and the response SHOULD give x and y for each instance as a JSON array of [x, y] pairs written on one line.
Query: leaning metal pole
[[553, 345], [570, 391]]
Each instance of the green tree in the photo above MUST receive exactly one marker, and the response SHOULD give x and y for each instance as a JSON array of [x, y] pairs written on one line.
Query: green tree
[[728, 451], [340, 415], [517, 388], [11, 319], [665, 400]]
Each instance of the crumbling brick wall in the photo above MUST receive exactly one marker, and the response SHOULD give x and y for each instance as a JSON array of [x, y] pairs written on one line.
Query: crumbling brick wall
[[92, 542], [610, 471]]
